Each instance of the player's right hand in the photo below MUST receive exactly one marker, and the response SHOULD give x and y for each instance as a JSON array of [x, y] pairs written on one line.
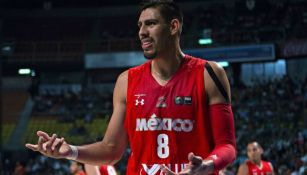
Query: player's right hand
[[50, 146], [196, 166]]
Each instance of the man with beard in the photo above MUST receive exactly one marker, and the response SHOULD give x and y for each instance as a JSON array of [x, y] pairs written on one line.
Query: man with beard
[[174, 110], [254, 165]]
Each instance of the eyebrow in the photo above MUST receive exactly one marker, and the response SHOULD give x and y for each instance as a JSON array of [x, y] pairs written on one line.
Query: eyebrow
[[148, 21]]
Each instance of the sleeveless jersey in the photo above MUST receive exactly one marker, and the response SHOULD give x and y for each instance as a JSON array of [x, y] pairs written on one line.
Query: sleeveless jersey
[[253, 169], [166, 123]]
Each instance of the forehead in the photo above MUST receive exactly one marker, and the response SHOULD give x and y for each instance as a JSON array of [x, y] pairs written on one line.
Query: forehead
[[252, 146], [150, 13]]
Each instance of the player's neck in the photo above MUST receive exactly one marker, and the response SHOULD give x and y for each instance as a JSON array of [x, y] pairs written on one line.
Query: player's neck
[[164, 67], [258, 163]]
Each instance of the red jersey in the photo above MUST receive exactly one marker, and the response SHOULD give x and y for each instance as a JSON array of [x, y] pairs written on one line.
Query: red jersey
[[107, 170], [253, 169], [166, 123]]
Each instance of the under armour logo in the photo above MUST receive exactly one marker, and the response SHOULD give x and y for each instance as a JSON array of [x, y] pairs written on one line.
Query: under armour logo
[[141, 101]]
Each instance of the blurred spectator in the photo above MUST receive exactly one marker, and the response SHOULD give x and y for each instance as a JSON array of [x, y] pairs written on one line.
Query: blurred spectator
[[19, 169], [255, 164]]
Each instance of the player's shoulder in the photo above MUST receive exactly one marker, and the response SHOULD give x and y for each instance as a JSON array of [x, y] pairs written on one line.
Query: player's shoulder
[[123, 76], [194, 62], [266, 162], [245, 164], [213, 70], [139, 68], [219, 70], [243, 168]]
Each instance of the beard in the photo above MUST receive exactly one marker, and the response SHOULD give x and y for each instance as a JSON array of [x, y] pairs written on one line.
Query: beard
[[150, 56]]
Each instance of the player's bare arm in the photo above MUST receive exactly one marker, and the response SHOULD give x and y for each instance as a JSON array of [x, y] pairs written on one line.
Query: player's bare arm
[[112, 147], [243, 169], [108, 151], [214, 96], [220, 110]]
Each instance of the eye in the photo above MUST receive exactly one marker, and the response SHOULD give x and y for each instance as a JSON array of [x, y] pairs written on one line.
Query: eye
[[151, 23]]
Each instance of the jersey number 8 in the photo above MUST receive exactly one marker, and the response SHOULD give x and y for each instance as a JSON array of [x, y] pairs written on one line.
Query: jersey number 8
[[163, 149]]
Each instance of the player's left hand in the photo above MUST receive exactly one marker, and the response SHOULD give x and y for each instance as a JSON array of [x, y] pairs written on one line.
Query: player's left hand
[[197, 166]]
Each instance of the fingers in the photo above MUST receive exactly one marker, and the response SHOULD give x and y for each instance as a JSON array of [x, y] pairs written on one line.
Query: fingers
[[43, 134], [166, 170], [32, 147], [195, 160], [40, 143], [57, 146], [42, 137], [185, 172], [193, 168], [49, 144]]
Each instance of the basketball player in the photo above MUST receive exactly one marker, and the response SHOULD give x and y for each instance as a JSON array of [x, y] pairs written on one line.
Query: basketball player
[[254, 165], [174, 110]]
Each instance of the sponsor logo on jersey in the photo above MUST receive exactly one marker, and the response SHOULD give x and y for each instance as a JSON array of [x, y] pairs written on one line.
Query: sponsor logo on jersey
[[155, 123], [139, 102], [186, 100], [178, 100], [139, 99], [155, 169], [161, 102]]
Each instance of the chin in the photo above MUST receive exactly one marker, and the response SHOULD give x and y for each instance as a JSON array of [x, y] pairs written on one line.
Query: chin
[[150, 56]]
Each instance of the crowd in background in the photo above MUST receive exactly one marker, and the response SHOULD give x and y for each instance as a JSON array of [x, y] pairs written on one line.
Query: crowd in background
[[272, 113], [265, 21], [69, 104]]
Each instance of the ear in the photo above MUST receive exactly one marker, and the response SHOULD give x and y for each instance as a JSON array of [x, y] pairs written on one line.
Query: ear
[[175, 27]]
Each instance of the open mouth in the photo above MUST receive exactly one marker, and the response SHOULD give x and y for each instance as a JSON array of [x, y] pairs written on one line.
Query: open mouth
[[146, 43]]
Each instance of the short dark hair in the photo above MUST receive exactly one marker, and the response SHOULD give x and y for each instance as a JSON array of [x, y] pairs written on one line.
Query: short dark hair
[[168, 9]]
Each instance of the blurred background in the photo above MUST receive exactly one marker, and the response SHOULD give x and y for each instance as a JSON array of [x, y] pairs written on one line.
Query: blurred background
[[59, 60]]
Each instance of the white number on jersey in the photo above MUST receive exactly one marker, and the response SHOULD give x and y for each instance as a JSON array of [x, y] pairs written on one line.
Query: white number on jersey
[[163, 149]]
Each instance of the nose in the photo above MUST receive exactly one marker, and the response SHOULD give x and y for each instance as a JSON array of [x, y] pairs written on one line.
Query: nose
[[143, 31]]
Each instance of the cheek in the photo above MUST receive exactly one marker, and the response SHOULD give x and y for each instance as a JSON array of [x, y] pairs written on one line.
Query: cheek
[[163, 41]]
